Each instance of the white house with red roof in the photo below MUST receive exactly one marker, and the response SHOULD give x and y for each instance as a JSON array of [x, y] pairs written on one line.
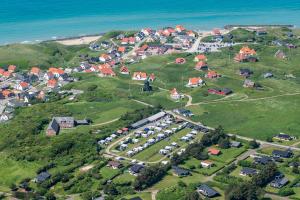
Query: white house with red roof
[[104, 57], [175, 95], [146, 31], [139, 76], [179, 28], [106, 70], [52, 83], [124, 70], [195, 82], [22, 86]]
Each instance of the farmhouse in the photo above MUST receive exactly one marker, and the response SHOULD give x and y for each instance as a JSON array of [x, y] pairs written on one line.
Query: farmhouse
[[224, 91], [235, 144], [206, 164], [207, 191], [58, 123], [248, 171], [195, 82], [181, 172]]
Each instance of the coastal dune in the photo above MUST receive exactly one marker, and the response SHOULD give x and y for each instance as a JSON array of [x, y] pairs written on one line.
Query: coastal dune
[[79, 41]]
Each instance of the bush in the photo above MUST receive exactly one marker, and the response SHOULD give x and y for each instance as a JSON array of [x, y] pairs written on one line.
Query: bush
[[286, 192]]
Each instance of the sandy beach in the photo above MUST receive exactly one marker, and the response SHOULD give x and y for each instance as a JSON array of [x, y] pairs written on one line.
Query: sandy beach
[[79, 41]]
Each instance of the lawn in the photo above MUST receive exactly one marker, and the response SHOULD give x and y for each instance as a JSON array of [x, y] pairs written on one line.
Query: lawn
[[124, 178], [12, 171], [194, 163], [108, 172], [228, 155], [142, 195], [258, 119], [151, 154]]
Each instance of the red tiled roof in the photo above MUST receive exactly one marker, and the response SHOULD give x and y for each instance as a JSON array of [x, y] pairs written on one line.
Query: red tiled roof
[[24, 84], [35, 70], [12, 68], [214, 151]]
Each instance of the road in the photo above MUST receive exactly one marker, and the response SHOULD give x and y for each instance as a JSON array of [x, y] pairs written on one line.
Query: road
[[108, 122]]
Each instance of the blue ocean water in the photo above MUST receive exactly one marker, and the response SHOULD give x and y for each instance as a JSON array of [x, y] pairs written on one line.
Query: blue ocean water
[[31, 20]]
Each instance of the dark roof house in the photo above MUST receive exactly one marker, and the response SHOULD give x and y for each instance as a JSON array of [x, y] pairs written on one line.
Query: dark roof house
[[263, 160], [135, 169], [180, 171], [282, 154], [248, 171], [41, 177], [279, 183], [207, 191]]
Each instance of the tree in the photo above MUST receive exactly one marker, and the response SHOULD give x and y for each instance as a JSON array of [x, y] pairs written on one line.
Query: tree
[[253, 144], [193, 196], [110, 189], [50, 196], [224, 143], [180, 183]]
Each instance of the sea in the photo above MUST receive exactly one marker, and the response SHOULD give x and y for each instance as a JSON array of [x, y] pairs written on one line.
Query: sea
[[25, 21]]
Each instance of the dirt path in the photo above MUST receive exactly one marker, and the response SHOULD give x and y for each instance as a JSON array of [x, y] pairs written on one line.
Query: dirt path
[[108, 122], [246, 99]]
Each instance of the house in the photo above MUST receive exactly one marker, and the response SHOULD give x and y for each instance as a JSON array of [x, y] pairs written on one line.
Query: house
[[105, 71], [11, 68], [235, 144], [58, 123], [22, 86], [248, 172], [268, 75], [122, 49], [246, 54], [35, 71], [41, 177], [200, 57], [179, 28], [201, 65], [115, 164], [181, 172], [280, 54], [282, 154], [248, 84], [52, 83], [285, 137], [191, 34], [5, 117], [180, 61], [124, 70], [212, 74], [146, 31], [207, 191], [175, 95], [184, 112], [216, 31], [6, 74], [48, 76], [206, 163], [224, 91], [263, 160], [104, 58], [279, 182], [214, 152], [139, 76], [245, 72], [136, 169], [151, 77], [57, 72], [195, 82]]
